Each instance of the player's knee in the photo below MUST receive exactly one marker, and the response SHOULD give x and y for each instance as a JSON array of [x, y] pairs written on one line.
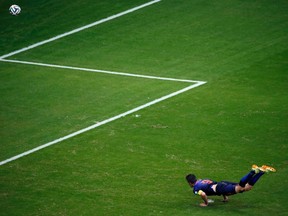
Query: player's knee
[[248, 187], [239, 189]]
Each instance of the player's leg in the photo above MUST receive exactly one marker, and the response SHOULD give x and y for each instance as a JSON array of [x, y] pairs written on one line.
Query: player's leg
[[243, 184], [245, 179], [259, 171], [253, 180]]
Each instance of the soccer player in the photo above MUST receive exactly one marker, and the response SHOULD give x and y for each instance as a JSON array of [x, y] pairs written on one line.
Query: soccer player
[[207, 187]]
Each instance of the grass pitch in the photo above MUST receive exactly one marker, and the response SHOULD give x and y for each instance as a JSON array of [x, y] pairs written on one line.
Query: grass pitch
[[137, 165]]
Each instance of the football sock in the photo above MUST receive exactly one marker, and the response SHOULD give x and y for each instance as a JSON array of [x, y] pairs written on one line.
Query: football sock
[[255, 178], [247, 178]]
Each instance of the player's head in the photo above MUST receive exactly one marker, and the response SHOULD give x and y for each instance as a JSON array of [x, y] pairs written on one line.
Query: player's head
[[191, 179]]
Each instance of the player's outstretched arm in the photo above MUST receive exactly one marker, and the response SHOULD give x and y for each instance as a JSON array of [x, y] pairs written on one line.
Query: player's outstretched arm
[[204, 197], [225, 198]]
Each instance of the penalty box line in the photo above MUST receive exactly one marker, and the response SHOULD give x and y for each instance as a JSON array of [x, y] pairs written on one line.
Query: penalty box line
[[196, 84], [100, 71]]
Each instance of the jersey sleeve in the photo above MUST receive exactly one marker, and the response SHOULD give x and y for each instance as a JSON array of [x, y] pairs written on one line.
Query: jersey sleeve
[[199, 192]]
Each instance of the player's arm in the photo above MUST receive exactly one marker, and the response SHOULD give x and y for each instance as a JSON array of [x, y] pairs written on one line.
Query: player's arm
[[225, 198], [204, 197]]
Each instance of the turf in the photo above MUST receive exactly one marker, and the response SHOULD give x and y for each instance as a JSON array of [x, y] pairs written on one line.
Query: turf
[[136, 166]]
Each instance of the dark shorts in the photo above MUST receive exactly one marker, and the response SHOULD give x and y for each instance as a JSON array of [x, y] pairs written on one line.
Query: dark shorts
[[225, 188]]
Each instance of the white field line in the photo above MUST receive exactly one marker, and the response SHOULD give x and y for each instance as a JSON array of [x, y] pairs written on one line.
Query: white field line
[[80, 29], [99, 71], [102, 123]]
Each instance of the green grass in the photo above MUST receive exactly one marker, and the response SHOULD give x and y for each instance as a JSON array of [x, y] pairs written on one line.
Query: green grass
[[58, 102], [136, 166]]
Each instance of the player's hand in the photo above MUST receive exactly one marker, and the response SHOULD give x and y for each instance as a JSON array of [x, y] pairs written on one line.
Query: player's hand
[[203, 204], [225, 199]]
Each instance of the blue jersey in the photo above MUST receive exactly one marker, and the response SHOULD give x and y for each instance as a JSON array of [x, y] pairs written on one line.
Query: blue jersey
[[204, 185]]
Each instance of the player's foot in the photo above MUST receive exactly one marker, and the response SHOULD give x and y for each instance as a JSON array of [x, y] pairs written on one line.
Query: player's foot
[[267, 169], [255, 168]]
